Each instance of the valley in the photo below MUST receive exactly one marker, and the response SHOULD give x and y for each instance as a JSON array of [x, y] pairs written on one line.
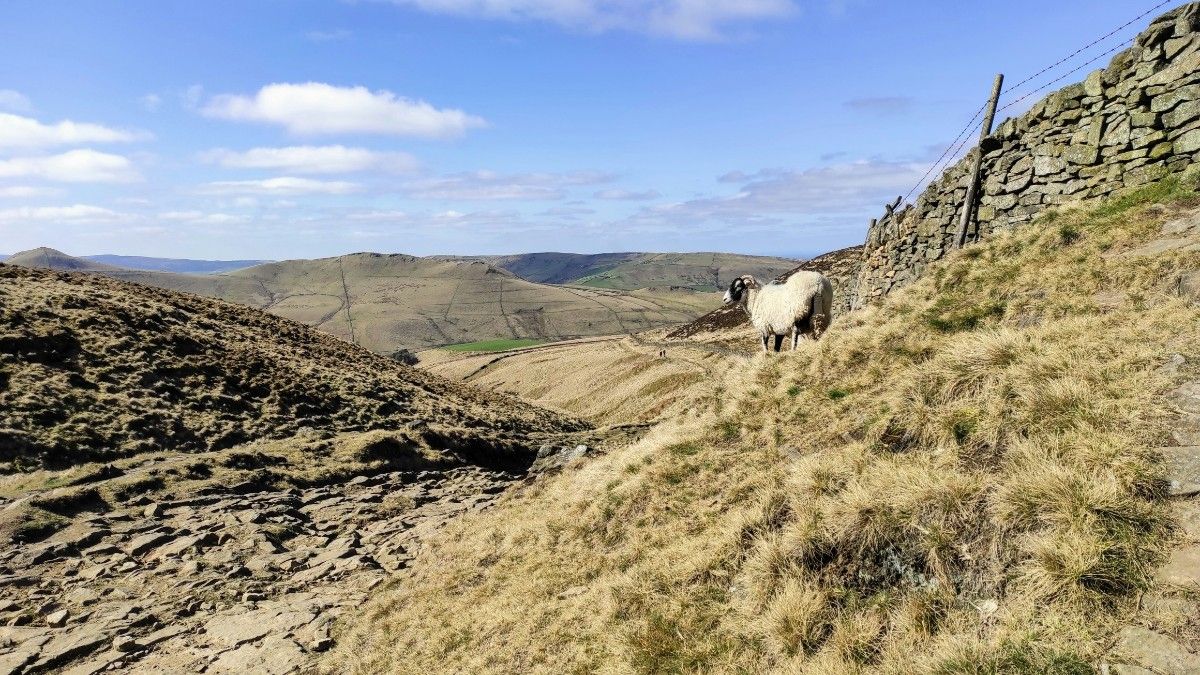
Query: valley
[[981, 457], [391, 302]]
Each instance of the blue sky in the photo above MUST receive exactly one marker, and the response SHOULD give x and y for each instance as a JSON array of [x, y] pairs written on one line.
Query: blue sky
[[305, 128]]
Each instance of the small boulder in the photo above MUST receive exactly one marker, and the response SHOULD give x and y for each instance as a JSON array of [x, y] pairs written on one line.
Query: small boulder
[[57, 619]]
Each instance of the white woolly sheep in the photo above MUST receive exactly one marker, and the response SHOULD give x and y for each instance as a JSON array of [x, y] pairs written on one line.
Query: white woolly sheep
[[803, 304]]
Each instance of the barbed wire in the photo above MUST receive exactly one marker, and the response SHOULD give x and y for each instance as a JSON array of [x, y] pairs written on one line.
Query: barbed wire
[[960, 140], [971, 125], [1067, 74], [1089, 45]]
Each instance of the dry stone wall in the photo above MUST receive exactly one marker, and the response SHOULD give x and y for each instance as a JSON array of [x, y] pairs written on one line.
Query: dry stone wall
[[1124, 126]]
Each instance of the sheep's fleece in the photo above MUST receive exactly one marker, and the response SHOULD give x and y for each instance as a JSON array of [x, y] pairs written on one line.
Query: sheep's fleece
[[775, 308]]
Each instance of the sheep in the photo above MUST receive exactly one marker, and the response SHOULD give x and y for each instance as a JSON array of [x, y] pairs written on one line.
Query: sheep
[[802, 304]]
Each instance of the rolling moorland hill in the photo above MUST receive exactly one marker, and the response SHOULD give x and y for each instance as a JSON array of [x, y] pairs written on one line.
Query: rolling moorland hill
[[974, 475], [391, 302], [706, 272]]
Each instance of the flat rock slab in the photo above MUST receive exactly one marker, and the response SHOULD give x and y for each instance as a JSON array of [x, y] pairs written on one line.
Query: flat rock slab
[[147, 542], [1188, 224], [232, 630], [1156, 651], [275, 656], [1159, 246], [1183, 469], [1187, 517], [1182, 568]]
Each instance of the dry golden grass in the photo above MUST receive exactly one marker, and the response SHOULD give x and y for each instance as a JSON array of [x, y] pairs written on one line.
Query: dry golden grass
[[960, 480], [614, 381]]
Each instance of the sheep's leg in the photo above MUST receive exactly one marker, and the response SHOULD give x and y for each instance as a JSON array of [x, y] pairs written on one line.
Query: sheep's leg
[[820, 323], [817, 319], [779, 342], [795, 336], [765, 337]]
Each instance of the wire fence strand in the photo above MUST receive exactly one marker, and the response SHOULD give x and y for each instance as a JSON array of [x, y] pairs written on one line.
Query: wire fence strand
[[963, 136]]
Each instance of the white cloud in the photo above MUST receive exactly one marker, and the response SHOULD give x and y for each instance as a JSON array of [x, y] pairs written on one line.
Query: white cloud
[[846, 194], [308, 159], [567, 212], [627, 195], [318, 108], [78, 213], [25, 191], [489, 185], [202, 218], [25, 132], [681, 19], [284, 185], [14, 100], [151, 102], [74, 166], [379, 216]]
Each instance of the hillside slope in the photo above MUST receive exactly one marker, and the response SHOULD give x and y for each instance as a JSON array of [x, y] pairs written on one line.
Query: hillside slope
[[963, 479], [611, 380], [95, 369], [705, 272]]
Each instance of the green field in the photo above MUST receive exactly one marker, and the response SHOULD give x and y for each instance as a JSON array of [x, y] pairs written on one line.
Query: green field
[[493, 345]]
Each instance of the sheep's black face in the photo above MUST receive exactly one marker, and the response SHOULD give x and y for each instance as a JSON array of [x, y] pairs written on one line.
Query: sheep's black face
[[736, 289]]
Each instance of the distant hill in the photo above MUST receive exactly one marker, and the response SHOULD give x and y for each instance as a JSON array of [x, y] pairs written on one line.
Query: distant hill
[[632, 270], [176, 265], [76, 384], [48, 258], [389, 302]]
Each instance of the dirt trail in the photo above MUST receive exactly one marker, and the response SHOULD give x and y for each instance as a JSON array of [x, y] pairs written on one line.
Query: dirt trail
[[1157, 642]]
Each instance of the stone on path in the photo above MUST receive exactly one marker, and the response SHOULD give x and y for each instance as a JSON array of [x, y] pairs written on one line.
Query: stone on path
[[1156, 651], [275, 656], [1183, 470]]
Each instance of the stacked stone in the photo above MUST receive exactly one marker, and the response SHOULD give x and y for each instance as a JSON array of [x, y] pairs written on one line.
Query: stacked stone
[[1125, 126]]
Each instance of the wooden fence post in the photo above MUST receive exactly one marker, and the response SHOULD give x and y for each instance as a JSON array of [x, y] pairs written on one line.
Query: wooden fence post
[[973, 187]]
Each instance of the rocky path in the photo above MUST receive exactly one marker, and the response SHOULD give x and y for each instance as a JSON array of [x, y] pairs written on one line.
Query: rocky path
[[233, 581], [1166, 638]]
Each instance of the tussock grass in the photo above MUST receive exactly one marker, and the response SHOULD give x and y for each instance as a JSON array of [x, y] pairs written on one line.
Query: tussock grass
[[981, 495]]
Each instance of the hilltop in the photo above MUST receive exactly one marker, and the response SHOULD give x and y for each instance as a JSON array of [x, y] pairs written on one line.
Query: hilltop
[[48, 258], [706, 272]]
